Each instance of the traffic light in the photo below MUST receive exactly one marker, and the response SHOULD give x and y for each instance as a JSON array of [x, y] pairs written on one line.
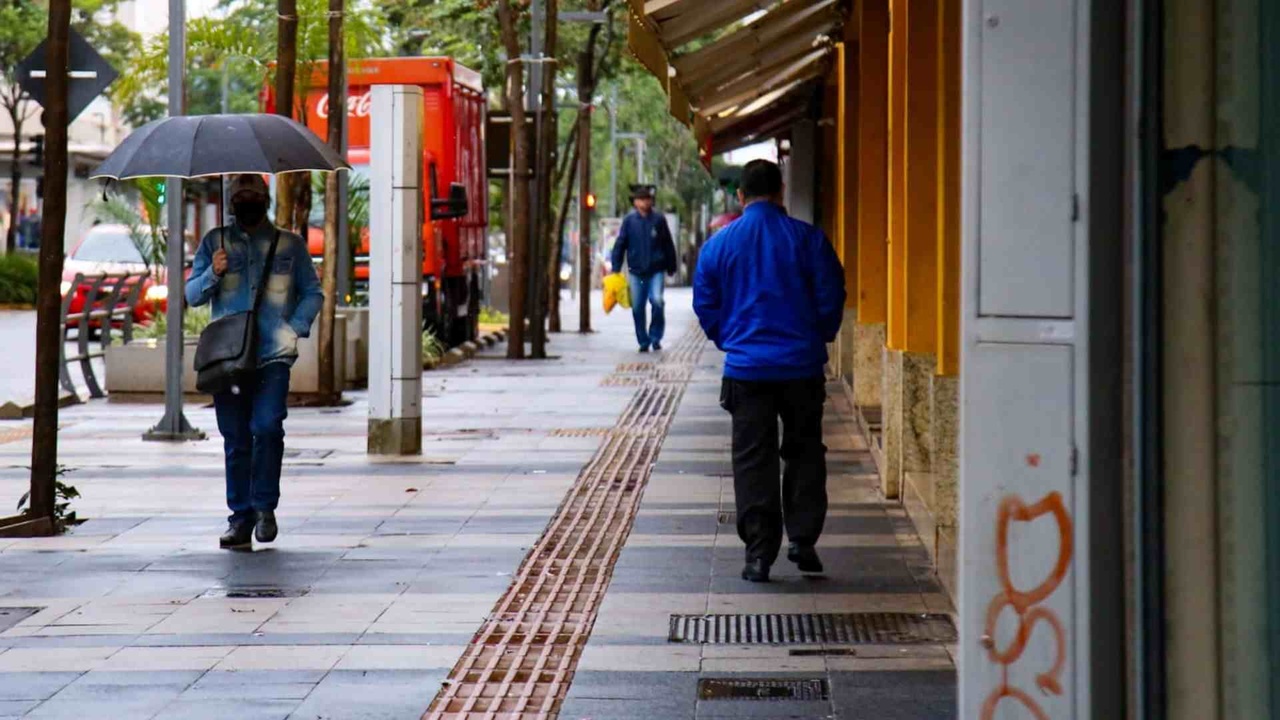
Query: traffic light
[[162, 192], [37, 150], [591, 201]]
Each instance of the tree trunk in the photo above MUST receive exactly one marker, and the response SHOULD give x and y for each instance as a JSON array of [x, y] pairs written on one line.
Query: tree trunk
[[44, 444], [562, 217], [518, 242], [286, 68], [330, 386], [568, 157], [15, 177], [545, 166]]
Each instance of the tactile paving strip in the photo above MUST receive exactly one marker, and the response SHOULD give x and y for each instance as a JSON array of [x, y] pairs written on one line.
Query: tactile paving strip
[[521, 661]]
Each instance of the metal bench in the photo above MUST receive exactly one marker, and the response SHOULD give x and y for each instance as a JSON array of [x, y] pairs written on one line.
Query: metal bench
[[110, 298]]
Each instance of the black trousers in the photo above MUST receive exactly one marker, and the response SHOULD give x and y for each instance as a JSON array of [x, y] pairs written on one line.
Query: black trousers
[[759, 459]]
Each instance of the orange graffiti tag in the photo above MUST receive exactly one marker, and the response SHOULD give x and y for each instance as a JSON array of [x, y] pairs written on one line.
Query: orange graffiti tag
[[1026, 604]]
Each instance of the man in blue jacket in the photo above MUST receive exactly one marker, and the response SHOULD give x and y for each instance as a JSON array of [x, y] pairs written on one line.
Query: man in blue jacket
[[227, 270], [769, 291], [645, 242]]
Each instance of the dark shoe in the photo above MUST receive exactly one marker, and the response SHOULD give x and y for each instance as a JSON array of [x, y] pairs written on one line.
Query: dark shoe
[[267, 529], [644, 348], [657, 346], [805, 557], [238, 535], [756, 571]]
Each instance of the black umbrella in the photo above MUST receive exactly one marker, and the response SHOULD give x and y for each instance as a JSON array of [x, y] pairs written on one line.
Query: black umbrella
[[205, 145]]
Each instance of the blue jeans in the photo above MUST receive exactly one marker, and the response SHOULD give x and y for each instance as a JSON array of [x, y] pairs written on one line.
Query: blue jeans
[[252, 427], [648, 287]]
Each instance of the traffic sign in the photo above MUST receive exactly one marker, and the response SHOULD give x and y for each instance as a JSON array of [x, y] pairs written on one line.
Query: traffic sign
[[88, 76]]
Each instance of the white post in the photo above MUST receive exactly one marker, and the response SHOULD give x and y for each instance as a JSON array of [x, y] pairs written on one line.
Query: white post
[[1025, 542], [395, 272]]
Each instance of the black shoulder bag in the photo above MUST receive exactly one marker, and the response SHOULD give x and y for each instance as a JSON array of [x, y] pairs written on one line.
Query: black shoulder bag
[[228, 347]]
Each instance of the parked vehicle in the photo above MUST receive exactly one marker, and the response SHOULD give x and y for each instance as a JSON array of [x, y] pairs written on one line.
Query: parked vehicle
[[109, 249], [454, 117]]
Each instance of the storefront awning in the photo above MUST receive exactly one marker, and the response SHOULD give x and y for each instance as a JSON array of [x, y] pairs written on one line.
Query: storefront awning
[[735, 65]]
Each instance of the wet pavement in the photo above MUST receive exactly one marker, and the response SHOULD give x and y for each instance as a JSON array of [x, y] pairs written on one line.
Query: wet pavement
[[385, 569]]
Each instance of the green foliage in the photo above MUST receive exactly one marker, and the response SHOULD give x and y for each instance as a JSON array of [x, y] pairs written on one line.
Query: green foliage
[[432, 349], [194, 321], [490, 316], [63, 516], [460, 29], [243, 44], [18, 277]]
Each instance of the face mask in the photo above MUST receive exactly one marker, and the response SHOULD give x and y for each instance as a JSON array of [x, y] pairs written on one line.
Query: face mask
[[250, 212]]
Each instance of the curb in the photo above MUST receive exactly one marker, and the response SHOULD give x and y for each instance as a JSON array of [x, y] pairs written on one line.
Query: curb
[[23, 409], [467, 350]]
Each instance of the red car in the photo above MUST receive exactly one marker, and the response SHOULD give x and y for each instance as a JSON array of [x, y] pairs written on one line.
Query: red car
[[109, 249]]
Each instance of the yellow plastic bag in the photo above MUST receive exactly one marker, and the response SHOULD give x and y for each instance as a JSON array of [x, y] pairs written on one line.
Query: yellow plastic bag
[[616, 292]]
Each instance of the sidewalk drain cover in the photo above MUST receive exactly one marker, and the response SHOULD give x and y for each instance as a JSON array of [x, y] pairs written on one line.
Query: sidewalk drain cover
[[729, 517], [254, 593], [10, 616], [307, 454], [812, 629], [806, 689]]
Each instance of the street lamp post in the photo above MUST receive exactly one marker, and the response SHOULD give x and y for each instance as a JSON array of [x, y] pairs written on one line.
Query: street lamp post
[[173, 425]]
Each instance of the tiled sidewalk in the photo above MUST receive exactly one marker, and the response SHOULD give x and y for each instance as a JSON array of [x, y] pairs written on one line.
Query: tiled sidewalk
[[384, 569], [680, 559]]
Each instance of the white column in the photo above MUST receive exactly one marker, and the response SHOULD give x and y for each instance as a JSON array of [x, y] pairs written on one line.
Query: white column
[[1024, 480], [395, 271]]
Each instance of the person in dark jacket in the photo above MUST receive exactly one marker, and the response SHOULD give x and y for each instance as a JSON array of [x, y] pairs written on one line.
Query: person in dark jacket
[[645, 242], [226, 272], [769, 291]]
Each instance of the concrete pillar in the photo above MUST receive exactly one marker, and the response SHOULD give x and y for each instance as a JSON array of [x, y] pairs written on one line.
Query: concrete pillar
[[395, 272], [871, 332], [802, 172], [891, 423], [945, 413]]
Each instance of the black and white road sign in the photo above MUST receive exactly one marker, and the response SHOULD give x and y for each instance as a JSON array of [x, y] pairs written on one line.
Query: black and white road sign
[[88, 76]]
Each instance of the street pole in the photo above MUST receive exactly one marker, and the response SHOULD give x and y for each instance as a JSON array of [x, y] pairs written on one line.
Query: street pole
[[44, 445], [173, 425], [613, 151], [585, 96]]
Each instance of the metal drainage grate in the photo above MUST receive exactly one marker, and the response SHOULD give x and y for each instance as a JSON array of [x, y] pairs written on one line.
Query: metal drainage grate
[[802, 690], [727, 517], [812, 629], [254, 593], [307, 454], [10, 616]]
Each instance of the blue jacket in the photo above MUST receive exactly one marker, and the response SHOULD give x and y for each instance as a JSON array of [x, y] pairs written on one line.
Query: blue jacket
[[646, 244], [769, 291], [293, 296]]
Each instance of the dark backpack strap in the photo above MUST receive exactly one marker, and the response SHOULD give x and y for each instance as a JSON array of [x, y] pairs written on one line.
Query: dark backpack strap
[[266, 272]]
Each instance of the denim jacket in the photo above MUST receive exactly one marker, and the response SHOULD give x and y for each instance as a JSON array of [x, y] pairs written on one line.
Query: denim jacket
[[293, 296]]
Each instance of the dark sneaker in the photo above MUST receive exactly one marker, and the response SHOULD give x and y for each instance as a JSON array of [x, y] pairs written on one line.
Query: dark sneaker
[[238, 535], [644, 348], [657, 346], [267, 529], [756, 571], [805, 558]]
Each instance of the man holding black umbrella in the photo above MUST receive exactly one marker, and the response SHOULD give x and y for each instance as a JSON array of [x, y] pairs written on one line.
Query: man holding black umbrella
[[230, 265]]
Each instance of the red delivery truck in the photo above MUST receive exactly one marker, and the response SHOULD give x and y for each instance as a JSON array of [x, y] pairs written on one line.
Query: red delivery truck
[[455, 184]]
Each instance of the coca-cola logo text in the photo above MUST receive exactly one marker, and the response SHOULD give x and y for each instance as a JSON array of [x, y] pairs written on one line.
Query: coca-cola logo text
[[357, 105]]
